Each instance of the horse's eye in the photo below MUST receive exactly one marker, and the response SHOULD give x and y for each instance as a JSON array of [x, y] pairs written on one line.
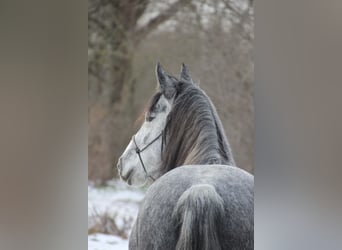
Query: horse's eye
[[157, 107], [149, 118]]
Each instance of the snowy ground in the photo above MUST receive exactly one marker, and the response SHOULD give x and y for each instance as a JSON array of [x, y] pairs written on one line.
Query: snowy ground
[[112, 211], [106, 242]]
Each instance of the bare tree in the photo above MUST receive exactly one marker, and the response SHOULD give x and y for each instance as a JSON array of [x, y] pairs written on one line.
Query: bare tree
[[114, 35], [115, 32]]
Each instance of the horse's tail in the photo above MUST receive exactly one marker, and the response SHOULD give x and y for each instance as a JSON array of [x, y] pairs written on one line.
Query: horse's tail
[[198, 214]]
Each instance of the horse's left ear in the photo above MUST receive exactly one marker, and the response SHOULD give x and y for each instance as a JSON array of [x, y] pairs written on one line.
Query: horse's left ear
[[184, 74], [166, 84]]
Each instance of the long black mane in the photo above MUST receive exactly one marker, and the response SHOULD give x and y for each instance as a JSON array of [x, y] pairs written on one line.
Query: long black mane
[[194, 133]]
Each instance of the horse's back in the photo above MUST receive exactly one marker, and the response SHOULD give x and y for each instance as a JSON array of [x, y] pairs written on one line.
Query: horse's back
[[156, 227]]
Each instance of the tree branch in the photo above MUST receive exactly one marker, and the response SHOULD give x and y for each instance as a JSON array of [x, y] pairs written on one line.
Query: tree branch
[[231, 8], [162, 17]]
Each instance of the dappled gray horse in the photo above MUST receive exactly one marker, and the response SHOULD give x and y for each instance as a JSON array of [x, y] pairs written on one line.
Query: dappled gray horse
[[198, 199]]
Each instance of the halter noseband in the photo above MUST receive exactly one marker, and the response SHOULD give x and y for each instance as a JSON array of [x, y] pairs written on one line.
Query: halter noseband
[[138, 151]]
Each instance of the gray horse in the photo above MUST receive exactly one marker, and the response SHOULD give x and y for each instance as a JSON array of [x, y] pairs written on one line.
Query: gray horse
[[198, 198]]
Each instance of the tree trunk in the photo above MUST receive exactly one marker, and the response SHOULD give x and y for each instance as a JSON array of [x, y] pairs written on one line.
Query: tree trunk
[[108, 123], [113, 36]]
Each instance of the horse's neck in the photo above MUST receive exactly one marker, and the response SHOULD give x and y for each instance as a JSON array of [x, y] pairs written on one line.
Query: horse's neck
[[205, 152], [217, 149], [225, 150], [206, 143], [209, 148]]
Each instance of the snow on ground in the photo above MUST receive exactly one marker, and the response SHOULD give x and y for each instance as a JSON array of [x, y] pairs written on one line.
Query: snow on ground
[[118, 201], [106, 242]]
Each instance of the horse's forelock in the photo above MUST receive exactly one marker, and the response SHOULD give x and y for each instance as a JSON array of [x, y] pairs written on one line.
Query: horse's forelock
[[154, 100], [147, 109]]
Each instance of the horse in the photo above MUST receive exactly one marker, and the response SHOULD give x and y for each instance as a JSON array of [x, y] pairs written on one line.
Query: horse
[[197, 199]]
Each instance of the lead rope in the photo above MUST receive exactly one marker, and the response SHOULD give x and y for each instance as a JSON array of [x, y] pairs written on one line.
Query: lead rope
[[138, 151]]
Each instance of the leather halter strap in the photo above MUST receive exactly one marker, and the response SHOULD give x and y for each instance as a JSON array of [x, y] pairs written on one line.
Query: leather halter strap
[[139, 151]]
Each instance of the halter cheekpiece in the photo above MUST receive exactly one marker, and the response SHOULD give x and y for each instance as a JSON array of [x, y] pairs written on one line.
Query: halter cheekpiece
[[138, 151]]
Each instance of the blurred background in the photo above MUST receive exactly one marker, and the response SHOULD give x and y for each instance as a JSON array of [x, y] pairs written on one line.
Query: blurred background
[[297, 93], [126, 39]]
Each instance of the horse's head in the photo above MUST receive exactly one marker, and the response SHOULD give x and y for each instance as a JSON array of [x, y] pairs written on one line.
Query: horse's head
[[141, 160]]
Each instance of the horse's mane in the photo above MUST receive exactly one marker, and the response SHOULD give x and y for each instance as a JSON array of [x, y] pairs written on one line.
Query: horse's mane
[[194, 133]]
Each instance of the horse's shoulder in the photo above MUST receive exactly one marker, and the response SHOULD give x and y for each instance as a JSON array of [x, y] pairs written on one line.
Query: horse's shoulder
[[185, 176], [190, 170]]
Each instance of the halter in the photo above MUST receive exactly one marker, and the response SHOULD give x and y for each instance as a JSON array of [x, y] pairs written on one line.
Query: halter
[[138, 151]]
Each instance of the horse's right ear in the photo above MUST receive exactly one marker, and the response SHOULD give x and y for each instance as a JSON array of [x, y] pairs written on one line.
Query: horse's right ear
[[166, 84], [184, 74]]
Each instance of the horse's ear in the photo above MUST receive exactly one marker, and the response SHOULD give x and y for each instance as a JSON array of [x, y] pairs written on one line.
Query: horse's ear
[[166, 84], [184, 74]]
